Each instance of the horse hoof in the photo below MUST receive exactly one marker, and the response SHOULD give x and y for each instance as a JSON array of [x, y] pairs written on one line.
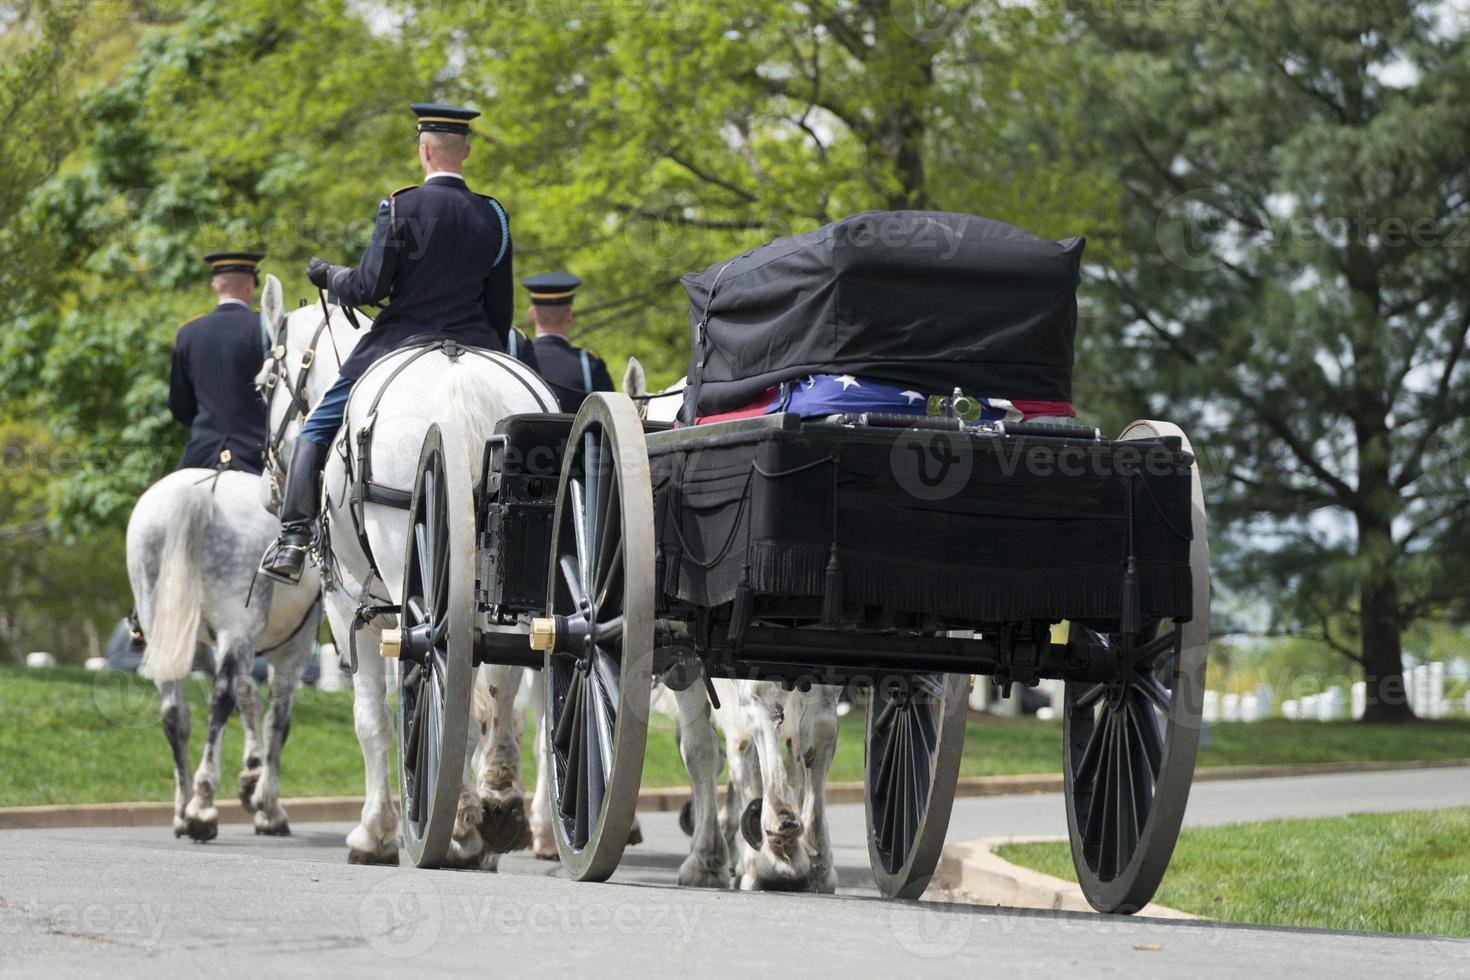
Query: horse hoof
[[545, 849], [181, 827], [635, 834], [266, 827], [201, 831], [248, 781], [503, 826], [356, 856], [750, 824], [693, 874]]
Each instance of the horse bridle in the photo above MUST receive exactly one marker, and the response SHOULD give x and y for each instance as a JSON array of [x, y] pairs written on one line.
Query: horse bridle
[[278, 374]]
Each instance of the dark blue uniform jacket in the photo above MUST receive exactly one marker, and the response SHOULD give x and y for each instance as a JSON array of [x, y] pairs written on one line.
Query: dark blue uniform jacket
[[212, 388], [572, 372], [440, 257]]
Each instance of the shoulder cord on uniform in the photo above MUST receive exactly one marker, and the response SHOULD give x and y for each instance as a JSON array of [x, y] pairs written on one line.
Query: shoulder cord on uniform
[[586, 372]]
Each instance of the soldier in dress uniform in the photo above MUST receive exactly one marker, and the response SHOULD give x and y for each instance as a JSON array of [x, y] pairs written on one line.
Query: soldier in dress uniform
[[440, 256], [572, 372], [216, 358]]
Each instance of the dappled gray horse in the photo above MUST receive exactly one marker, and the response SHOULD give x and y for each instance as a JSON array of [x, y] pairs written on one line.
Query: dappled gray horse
[[193, 541]]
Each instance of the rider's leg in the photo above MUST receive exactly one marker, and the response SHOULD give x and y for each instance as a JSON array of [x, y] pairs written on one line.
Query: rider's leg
[[302, 500]]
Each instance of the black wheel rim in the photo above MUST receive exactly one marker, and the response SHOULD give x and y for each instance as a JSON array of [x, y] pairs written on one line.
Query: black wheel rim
[[1130, 742], [583, 688], [1116, 744], [903, 739], [422, 692]]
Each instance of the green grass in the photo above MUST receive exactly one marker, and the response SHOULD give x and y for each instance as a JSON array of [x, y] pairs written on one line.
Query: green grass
[[69, 736], [1382, 872]]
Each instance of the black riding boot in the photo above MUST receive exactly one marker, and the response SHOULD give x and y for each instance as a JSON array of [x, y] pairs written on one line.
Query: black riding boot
[[299, 508]]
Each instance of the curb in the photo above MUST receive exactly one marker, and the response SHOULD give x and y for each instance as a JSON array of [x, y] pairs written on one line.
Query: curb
[[335, 809], [974, 872]]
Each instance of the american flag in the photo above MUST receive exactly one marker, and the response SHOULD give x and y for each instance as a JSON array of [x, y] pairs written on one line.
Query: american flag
[[832, 394]]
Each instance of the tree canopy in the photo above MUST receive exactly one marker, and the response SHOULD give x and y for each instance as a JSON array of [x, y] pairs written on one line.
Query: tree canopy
[[1274, 195]]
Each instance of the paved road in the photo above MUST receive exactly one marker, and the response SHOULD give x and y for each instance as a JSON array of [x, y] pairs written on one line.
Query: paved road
[[134, 902]]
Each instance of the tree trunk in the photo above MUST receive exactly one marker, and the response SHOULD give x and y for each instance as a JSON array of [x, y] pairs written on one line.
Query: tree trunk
[[1382, 629]]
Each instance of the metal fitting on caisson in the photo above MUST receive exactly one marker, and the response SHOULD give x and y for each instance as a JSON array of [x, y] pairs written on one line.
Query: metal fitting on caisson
[[561, 634]]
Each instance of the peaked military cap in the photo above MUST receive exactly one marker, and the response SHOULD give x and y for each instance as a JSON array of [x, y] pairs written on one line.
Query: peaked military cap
[[552, 288], [234, 262], [437, 118]]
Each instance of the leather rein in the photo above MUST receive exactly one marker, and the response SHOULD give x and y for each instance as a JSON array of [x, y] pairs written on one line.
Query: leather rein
[[278, 376]]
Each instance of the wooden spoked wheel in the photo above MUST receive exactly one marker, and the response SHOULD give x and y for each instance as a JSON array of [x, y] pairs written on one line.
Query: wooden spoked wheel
[[1130, 743], [601, 583], [436, 665], [914, 740]]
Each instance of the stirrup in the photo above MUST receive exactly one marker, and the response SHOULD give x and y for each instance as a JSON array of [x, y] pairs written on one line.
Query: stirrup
[[269, 559]]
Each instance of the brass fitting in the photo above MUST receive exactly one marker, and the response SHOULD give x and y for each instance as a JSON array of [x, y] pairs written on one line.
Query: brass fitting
[[543, 634], [391, 642]]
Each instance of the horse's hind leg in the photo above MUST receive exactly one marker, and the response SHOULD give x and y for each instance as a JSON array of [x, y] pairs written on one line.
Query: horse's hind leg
[[780, 863], [174, 711], [707, 865], [248, 701], [236, 657], [285, 675], [543, 844], [503, 823], [816, 744]]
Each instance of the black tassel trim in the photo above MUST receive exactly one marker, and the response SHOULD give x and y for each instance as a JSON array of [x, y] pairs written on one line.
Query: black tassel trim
[[832, 590]]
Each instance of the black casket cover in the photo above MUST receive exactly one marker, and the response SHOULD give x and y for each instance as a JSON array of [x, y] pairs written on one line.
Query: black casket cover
[[924, 299]]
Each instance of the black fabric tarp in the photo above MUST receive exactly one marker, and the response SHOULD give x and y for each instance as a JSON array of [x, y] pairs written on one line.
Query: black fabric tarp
[[921, 299], [1026, 534]]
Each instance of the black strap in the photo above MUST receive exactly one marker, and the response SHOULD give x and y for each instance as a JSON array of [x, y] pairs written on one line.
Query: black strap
[[310, 610]]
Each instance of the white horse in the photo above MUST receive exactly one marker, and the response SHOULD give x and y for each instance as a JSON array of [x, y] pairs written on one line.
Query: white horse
[[396, 400], [193, 541], [779, 746]]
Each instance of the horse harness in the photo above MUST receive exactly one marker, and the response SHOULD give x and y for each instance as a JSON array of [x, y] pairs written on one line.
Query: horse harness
[[279, 372], [364, 490]]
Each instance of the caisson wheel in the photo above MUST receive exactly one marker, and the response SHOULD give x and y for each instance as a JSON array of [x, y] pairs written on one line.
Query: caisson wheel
[[435, 646], [914, 739], [1129, 744], [601, 582]]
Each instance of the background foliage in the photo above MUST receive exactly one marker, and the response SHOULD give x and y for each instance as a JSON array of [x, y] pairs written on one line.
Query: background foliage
[[1206, 151]]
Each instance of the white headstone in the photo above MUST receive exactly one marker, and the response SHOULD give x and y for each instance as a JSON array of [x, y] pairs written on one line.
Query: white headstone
[[1248, 710], [1434, 704], [1289, 710], [330, 678], [96, 663], [1231, 705], [980, 693], [40, 658], [1333, 704], [1360, 699], [1211, 713]]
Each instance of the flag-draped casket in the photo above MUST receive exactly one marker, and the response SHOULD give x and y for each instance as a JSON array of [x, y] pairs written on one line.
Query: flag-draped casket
[[919, 299]]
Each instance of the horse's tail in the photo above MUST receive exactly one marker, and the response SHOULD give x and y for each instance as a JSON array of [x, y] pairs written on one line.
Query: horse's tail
[[177, 594], [469, 391]]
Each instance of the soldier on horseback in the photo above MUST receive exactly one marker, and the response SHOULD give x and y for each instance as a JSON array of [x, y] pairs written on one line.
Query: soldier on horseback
[[212, 383], [441, 256]]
